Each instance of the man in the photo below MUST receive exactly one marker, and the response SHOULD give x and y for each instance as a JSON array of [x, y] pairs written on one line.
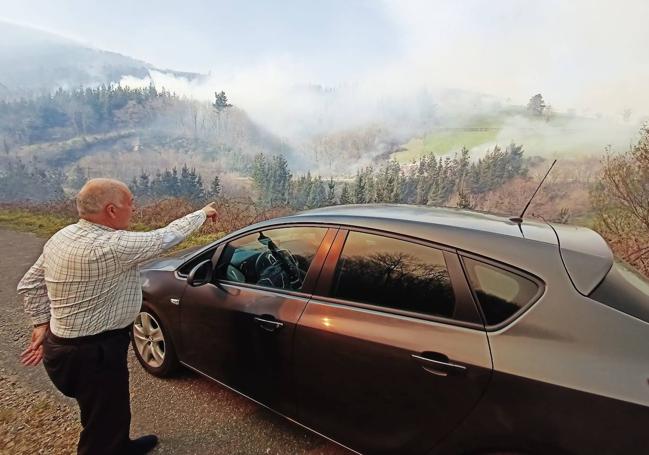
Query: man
[[82, 295]]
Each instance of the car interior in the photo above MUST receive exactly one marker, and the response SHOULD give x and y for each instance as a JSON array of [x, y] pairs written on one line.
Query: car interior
[[263, 264]]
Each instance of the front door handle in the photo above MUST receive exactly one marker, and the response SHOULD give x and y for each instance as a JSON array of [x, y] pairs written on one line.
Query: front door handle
[[268, 324], [440, 365]]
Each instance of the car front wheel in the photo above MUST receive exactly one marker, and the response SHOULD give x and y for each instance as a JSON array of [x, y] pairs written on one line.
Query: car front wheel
[[152, 344]]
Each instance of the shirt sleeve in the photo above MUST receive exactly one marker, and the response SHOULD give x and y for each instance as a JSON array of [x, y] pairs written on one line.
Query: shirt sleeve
[[132, 248], [36, 300]]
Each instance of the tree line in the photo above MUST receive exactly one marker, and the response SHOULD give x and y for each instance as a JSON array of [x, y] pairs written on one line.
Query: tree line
[[186, 184], [69, 113], [46, 184], [431, 180], [428, 181], [23, 182]]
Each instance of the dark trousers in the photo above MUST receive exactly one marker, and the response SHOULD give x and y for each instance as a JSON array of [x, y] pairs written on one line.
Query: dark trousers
[[93, 371]]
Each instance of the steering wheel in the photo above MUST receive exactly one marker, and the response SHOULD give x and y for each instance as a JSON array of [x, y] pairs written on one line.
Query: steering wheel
[[263, 261], [290, 266]]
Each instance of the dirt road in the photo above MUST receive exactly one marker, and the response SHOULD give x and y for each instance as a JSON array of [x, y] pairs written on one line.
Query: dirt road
[[190, 414]]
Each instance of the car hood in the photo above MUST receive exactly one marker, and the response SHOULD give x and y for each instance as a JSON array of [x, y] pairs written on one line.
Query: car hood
[[171, 261]]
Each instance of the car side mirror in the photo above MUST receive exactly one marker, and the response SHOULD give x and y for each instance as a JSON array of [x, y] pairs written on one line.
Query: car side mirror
[[201, 274]]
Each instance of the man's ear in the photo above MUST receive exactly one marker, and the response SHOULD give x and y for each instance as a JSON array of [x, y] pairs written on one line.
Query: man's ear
[[110, 210]]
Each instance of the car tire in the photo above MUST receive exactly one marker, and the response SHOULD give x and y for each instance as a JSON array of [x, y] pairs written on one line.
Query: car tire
[[152, 343]]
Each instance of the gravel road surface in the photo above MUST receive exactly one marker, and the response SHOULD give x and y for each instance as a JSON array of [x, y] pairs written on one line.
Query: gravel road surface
[[189, 413]]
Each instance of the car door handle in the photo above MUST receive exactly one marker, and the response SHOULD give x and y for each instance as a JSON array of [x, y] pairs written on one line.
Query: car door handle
[[440, 366], [269, 325]]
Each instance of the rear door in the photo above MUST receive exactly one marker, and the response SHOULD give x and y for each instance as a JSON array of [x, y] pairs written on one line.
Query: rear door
[[391, 353]]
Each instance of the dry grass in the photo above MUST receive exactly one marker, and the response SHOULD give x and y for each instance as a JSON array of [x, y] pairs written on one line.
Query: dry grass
[[46, 219], [34, 422]]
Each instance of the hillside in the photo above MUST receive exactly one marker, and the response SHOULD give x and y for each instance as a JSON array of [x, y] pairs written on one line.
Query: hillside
[[123, 132], [560, 135], [36, 61]]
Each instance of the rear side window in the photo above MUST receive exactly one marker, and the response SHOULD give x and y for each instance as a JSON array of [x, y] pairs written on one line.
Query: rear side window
[[626, 290], [500, 293], [394, 274]]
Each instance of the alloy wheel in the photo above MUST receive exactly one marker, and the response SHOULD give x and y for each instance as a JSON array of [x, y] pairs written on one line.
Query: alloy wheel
[[149, 339]]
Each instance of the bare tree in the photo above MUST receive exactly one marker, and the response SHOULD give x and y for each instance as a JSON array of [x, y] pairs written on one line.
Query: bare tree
[[621, 202]]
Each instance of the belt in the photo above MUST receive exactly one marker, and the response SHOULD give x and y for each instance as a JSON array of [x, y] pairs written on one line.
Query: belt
[[101, 336]]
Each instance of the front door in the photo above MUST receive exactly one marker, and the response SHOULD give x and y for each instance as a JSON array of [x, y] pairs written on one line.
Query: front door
[[381, 364], [239, 329]]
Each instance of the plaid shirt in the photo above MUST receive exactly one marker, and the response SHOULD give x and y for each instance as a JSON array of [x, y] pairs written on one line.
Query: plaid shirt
[[87, 279]]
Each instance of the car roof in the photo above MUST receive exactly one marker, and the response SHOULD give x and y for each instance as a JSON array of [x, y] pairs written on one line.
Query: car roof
[[531, 245], [409, 217]]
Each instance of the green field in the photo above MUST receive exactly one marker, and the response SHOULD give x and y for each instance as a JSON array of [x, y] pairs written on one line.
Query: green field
[[561, 137], [443, 142]]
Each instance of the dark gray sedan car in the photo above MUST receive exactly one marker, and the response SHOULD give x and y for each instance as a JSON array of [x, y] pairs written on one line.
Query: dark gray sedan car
[[401, 329]]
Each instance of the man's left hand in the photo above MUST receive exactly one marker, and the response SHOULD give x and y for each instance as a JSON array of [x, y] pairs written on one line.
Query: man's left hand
[[34, 352]]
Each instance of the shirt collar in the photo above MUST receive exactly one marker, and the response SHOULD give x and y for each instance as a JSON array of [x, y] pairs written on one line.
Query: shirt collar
[[88, 224]]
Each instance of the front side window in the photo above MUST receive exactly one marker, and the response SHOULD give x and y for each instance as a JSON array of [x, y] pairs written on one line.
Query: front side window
[[500, 293], [394, 274], [276, 258]]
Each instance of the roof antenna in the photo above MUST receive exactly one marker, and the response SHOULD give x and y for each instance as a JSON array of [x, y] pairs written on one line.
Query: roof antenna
[[519, 219]]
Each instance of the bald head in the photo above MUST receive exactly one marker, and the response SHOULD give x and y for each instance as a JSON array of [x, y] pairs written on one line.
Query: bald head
[[96, 194]]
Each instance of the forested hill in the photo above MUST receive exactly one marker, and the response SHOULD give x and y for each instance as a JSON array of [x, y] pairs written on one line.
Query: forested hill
[[34, 61], [120, 131]]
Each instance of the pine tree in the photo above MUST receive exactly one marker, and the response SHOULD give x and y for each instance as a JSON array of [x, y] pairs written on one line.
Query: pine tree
[[370, 185], [143, 186], [536, 105], [463, 199], [260, 175], [220, 102], [280, 181], [300, 190], [463, 163], [317, 195], [215, 187], [157, 189], [359, 189], [331, 192], [422, 190], [345, 196]]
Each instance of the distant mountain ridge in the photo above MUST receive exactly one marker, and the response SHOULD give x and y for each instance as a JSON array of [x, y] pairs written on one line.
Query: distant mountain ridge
[[33, 60]]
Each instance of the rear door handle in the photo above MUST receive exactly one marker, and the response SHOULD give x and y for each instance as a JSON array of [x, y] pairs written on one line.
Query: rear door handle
[[270, 325], [440, 366]]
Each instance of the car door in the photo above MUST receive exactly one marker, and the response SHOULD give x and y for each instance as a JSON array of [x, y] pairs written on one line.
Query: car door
[[239, 328], [390, 353]]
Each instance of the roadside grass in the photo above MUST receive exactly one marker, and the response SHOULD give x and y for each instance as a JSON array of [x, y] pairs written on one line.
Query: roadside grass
[[41, 224], [198, 239], [47, 224]]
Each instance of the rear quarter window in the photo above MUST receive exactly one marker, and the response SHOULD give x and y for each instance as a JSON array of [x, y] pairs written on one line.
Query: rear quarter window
[[500, 293]]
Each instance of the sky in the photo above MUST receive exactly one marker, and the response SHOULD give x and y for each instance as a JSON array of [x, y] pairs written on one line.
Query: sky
[[588, 55]]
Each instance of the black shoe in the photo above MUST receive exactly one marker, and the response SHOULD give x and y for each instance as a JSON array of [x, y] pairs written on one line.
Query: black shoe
[[142, 445]]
